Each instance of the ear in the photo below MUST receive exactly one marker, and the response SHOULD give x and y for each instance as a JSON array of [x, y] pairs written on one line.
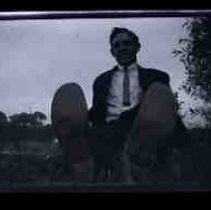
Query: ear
[[138, 47], [112, 51]]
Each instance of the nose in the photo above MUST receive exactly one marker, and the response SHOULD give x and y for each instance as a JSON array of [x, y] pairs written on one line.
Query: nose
[[123, 45], [123, 48]]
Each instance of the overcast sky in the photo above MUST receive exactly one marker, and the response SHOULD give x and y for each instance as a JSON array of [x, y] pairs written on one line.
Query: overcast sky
[[37, 56]]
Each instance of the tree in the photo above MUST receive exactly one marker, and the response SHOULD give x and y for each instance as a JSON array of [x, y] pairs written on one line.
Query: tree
[[39, 118], [178, 104], [24, 119], [3, 127], [195, 54], [3, 119], [21, 119]]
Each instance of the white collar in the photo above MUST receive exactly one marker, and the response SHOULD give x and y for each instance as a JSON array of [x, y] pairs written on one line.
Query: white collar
[[131, 67]]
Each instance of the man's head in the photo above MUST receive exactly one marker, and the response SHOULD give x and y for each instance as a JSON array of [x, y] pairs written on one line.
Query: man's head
[[124, 45]]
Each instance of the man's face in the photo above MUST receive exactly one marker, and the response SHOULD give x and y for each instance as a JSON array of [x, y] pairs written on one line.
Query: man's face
[[124, 49]]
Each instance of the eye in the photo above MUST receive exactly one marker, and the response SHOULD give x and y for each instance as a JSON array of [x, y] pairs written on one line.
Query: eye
[[116, 44], [126, 43]]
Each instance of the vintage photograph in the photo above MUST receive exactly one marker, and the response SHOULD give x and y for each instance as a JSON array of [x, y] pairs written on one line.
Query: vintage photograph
[[105, 103]]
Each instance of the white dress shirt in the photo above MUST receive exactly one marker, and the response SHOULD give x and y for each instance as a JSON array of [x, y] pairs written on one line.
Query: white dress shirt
[[114, 103]]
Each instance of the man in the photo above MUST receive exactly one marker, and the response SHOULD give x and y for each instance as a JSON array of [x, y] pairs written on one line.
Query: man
[[133, 118], [129, 102]]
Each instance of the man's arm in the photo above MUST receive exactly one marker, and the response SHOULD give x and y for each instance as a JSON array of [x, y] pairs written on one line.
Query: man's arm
[[97, 106]]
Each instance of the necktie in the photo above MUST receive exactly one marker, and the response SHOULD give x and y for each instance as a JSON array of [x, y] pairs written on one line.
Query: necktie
[[126, 89]]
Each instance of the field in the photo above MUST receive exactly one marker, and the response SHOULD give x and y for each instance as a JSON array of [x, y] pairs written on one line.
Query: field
[[29, 169]]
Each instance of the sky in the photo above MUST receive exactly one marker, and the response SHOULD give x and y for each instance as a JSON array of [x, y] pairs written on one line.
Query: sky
[[38, 56]]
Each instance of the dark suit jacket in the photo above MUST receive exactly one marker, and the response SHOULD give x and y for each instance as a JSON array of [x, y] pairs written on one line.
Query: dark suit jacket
[[180, 137], [97, 113]]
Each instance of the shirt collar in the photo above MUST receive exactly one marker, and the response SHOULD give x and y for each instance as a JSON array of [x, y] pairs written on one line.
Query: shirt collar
[[131, 67]]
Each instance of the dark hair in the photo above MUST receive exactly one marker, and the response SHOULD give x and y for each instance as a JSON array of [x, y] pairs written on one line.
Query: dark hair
[[117, 30]]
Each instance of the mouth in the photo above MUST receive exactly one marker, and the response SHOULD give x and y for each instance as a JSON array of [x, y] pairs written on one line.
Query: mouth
[[124, 55]]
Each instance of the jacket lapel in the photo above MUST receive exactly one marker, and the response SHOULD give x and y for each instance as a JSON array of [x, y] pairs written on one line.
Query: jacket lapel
[[107, 84], [144, 77], [141, 76]]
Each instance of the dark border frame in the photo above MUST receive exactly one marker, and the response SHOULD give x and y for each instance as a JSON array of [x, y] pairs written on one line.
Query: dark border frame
[[29, 15], [33, 15]]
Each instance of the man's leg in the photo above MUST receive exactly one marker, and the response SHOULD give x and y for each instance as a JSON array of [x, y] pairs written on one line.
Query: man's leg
[[69, 120], [107, 143], [152, 127], [101, 139]]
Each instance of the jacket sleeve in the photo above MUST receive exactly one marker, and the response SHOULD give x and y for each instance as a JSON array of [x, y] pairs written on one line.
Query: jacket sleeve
[[92, 109], [97, 103], [160, 76], [164, 78]]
